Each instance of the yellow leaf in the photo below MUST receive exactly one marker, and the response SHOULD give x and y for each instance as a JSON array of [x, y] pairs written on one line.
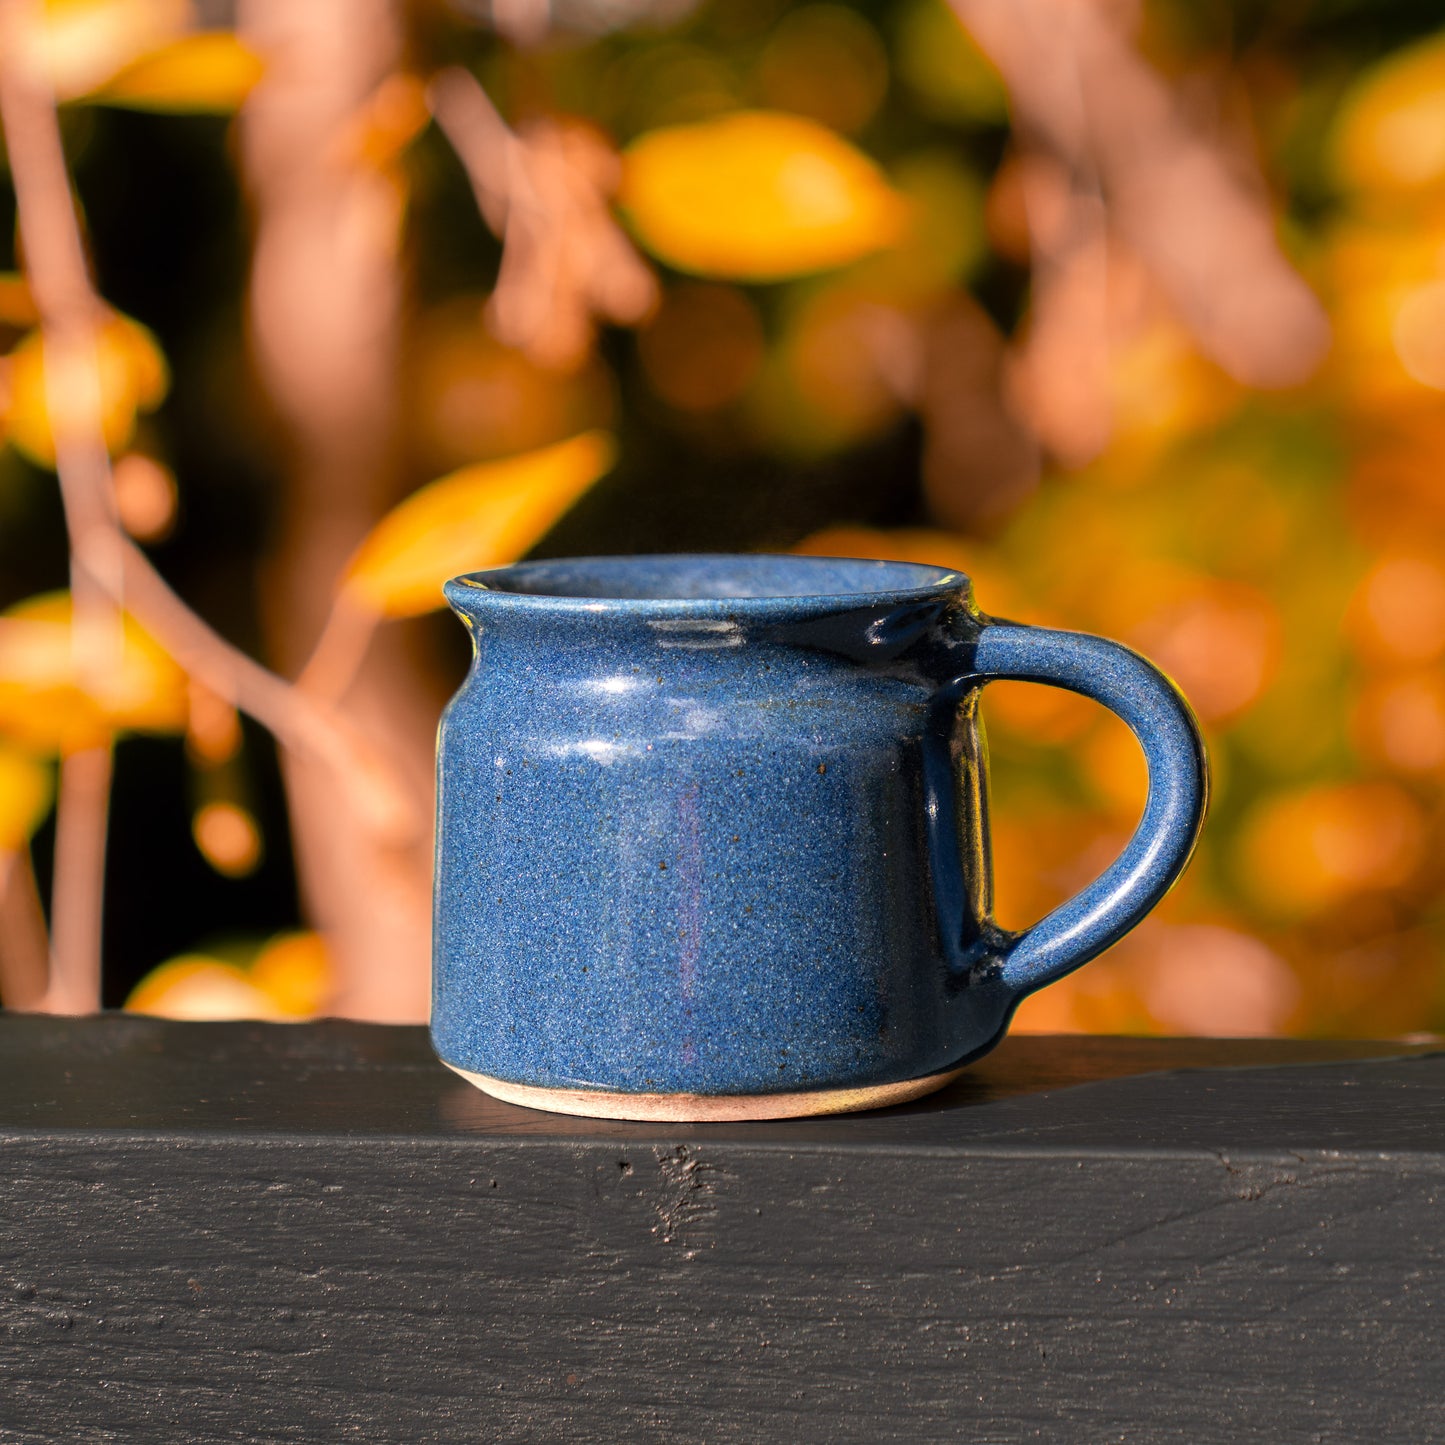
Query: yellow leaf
[[757, 196], [85, 42], [133, 378], [209, 72], [26, 790], [295, 971], [194, 986], [825, 61], [51, 700], [1389, 136], [480, 516]]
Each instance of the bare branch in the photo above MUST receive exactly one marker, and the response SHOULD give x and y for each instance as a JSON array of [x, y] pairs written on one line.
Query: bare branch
[[299, 723], [24, 948], [544, 193], [82, 813], [318, 141], [108, 572], [340, 650], [69, 312], [482, 140], [1197, 219]]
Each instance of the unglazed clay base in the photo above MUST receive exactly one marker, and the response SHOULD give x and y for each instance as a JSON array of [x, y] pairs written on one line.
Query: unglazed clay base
[[703, 1108]]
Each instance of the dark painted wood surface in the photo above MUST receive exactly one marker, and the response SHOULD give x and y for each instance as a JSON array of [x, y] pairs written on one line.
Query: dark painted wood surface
[[251, 1232]]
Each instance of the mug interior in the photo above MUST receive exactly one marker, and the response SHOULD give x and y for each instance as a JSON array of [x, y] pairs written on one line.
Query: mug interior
[[711, 576]]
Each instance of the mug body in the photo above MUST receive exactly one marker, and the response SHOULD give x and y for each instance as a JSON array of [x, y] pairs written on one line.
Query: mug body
[[710, 839]]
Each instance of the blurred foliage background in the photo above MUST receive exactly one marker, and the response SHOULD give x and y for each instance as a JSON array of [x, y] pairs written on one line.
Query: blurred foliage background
[[1134, 312]]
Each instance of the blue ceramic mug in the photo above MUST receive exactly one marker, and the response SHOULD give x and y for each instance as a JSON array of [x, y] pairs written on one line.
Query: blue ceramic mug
[[713, 833]]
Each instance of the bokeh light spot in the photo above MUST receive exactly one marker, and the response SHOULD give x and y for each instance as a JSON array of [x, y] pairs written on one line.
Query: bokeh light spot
[[145, 497], [1304, 852], [1221, 644], [703, 347], [228, 837], [1209, 980], [1400, 609], [827, 62], [1419, 335], [1400, 721]]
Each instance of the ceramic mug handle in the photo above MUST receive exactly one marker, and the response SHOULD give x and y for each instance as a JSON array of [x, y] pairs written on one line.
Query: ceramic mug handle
[[1155, 856]]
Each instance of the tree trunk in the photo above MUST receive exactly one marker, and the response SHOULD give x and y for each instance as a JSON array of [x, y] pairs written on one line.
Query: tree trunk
[[325, 305]]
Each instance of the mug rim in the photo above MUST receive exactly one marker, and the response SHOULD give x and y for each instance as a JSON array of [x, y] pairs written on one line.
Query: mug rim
[[897, 582]]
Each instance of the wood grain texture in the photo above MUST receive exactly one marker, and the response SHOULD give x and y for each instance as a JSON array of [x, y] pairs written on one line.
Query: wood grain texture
[[250, 1232]]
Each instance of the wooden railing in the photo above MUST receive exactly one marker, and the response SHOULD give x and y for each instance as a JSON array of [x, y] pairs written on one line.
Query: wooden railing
[[253, 1232]]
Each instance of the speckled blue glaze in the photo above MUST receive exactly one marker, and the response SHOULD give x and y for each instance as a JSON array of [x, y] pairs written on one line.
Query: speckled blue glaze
[[718, 825]]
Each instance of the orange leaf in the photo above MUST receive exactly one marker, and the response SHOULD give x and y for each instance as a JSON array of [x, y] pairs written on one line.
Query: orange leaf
[[480, 516], [757, 196], [294, 969], [211, 72], [17, 305]]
